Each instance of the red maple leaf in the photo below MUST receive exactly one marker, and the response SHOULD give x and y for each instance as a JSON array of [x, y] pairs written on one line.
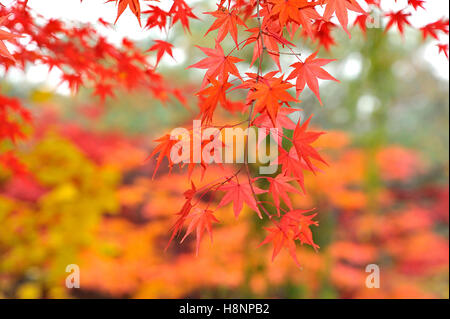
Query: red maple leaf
[[226, 22], [155, 17], [361, 21], [103, 90], [239, 194], [341, 7], [291, 165], [294, 225], [301, 222], [161, 47], [280, 237], [400, 18], [443, 48], [202, 220], [305, 17], [308, 72], [180, 11], [322, 33], [279, 188], [432, 29], [165, 145], [134, 6], [302, 143], [6, 36], [74, 81], [416, 4], [217, 64], [183, 213]]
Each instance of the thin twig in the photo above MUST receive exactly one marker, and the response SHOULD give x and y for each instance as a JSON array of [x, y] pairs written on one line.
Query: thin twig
[[250, 114]]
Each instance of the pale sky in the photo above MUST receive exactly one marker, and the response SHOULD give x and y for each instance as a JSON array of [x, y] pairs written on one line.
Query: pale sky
[[127, 26]]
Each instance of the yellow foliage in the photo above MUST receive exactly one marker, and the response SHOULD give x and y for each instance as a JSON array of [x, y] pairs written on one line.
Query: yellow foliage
[[48, 234]]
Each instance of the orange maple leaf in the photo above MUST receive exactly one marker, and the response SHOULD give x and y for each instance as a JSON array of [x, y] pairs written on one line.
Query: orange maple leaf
[[270, 93], [212, 96], [287, 10]]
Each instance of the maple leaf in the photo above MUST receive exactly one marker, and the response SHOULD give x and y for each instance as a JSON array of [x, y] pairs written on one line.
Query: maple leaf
[[166, 143], [279, 188], [400, 18], [287, 10], [305, 16], [308, 72], [6, 36], [322, 33], [103, 90], [74, 81], [416, 4], [161, 47], [156, 17], [302, 140], [239, 194], [226, 21], [213, 95], [361, 21], [202, 220], [269, 94], [291, 165], [180, 11], [301, 222], [179, 223], [134, 6], [443, 48], [217, 64], [183, 213], [281, 238], [341, 7], [282, 122], [432, 29], [294, 225]]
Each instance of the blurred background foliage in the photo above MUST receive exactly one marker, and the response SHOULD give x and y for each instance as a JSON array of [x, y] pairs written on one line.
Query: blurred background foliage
[[87, 197]]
